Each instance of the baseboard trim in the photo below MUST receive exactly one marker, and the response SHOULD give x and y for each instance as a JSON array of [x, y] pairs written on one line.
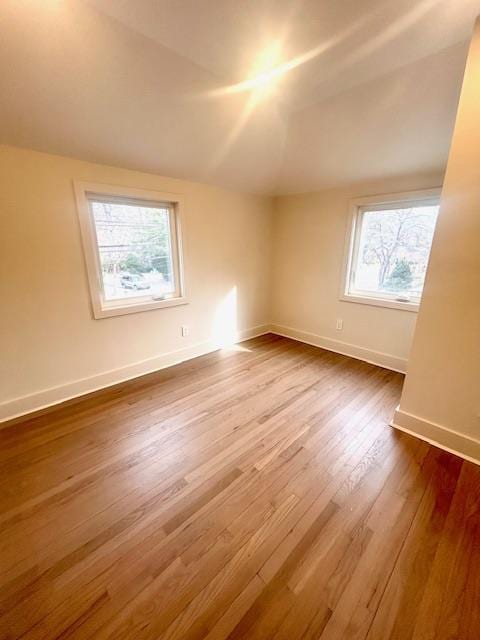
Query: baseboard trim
[[447, 439], [385, 360], [24, 405]]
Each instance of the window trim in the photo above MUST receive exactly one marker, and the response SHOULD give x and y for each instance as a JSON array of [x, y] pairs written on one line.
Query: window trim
[[356, 208], [107, 308]]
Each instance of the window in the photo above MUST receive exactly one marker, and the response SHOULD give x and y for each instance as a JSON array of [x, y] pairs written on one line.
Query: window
[[132, 246], [388, 249]]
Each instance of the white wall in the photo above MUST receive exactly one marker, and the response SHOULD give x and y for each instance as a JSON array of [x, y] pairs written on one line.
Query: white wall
[[309, 241], [51, 347], [441, 397]]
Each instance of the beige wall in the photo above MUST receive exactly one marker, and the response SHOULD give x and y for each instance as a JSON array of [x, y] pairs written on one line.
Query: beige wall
[[309, 242], [442, 389], [49, 338], [248, 264]]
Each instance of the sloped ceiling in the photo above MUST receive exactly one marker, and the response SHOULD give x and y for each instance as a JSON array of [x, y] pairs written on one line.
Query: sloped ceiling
[[137, 83]]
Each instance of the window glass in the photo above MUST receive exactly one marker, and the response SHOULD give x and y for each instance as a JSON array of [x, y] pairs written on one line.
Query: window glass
[[391, 251], [135, 249]]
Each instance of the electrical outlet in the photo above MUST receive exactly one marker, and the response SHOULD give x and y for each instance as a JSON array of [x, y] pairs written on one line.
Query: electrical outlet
[[339, 324], [184, 329]]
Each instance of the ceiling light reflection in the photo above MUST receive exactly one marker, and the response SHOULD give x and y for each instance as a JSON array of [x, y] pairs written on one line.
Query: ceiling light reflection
[[269, 69]]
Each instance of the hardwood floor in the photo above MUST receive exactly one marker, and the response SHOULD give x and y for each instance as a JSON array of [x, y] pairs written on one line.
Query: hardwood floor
[[250, 493]]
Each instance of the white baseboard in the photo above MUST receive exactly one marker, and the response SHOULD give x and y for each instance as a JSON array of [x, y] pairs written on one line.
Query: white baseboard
[[44, 398], [452, 441], [354, 351]]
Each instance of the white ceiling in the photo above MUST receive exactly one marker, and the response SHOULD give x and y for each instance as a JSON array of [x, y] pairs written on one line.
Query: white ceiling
[[355, 40], [130, 83], [396, 125]]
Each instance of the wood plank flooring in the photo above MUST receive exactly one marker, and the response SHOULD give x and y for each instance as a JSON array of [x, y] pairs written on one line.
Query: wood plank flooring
[[251, 493]]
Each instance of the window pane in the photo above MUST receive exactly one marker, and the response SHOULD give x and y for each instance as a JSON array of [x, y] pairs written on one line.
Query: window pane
[[393, 251], [134, 244]]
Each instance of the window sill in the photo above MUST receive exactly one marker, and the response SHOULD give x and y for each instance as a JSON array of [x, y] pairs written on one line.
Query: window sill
[[381, 302], [109, 310]]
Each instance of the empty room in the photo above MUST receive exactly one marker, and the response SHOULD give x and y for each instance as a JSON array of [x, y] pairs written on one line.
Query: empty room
[[240, 319]]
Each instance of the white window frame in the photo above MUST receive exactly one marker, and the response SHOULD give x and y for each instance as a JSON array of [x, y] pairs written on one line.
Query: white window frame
[[103, 308], [371, 203]]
